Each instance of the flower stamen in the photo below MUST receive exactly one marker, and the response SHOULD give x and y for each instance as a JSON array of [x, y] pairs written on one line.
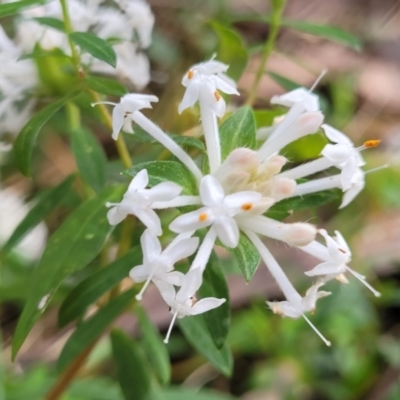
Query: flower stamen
[[371, 143], [217, 95], [247, 206], [190, 74], [203, 217]]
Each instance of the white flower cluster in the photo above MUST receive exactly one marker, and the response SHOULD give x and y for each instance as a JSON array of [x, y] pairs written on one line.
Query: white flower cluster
[[129, 23], [234, 196]]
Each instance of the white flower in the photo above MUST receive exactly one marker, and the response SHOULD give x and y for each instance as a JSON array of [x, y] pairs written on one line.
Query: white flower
[[184, 302], [336, 257], [202, 82], [309, 100], [218, 211], [129, 104], [158, 264], [138, 201]]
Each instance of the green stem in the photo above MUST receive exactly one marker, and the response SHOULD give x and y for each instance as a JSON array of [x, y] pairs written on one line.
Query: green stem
[[69, 29], [277, 10]]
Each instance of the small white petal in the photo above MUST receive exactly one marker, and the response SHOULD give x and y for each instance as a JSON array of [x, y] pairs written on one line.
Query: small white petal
[[337, 153], [114, 217], [180, 250], [117, 121], [211, 191], [242, 201], [175, 278], [191, 283], [167, 291], [151, 246], [192, 221], [351, 194], [190, 97], [150, 219], [336, 136], [227, 231], [326, 268], [139, 273], [224, 86], [164, 191], [205, 305], [140, 181]]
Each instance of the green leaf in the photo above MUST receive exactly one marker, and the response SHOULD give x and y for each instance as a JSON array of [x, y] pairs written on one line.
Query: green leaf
[[246, 256], [286, 83], [26, 139], [133, 376], [71, 247], [185, 141], [89, 330], [40, 53], [308, 201], [181, 393], [90, 158], [239, 130], [96, 285], [105, 86], [98, 48], [154, 348], [16, 6], [266, 117], [196, 332], [51, 22], [327, 32], [39, 211], [231, 50], [166, 171], [214, 285]]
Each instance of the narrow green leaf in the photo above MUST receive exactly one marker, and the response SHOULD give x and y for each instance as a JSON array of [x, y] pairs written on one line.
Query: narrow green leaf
[[96, 285], [74, 244], [247, 257], [40, 53], [105, 86], [308, 201], [154, 348], [166, 171], [51, 22], [239, 130], [231, 49], [327, 32], [39, 211], [89, 330], [90, 158], [286, 83], [26, 139], [16, 6], [196, 332], [214, 285], [133, 376], [98, 48]]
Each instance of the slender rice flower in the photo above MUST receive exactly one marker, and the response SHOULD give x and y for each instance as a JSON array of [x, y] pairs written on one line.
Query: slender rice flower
[[138, 201], [158, 264], [335, 256], [184, 302], [203, 82], [233, 198]]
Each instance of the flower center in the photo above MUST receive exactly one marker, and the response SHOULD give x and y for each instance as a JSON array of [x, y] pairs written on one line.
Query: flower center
[[247, 206], [190, 74], [203, 217]]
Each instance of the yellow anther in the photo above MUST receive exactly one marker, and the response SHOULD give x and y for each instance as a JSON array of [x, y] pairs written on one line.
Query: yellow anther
[[203, 217], [217, 95], [190, 74], [371, 143], [247, 206]]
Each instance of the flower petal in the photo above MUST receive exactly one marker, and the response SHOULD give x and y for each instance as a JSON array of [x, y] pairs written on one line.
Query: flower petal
[[150, 219], [337, 153], [227, 231], [164, 191], [191, 283], [140, 181], [242, 201], [336, 136], [151, 246], [326, 268], [211, 191], [114, 216], [174, 278], [178, 250], [225, 86], [190, 97], [139, 273], [192, 221], [205, 305], [167, 291], [118, 117]]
